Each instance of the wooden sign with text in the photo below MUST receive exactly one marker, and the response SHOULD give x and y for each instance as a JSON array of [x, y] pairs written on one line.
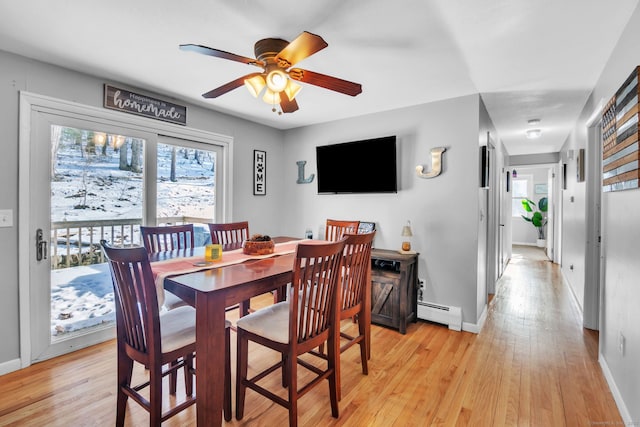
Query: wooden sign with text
[[142, 105], [259, 172]]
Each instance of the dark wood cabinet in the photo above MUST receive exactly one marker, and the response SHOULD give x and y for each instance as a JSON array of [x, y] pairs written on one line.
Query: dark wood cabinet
[[394, 284]]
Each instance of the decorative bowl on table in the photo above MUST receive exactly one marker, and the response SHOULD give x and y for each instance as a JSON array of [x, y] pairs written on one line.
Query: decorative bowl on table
[[258, 245]]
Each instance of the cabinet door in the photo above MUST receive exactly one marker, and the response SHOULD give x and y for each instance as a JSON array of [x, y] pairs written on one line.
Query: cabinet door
[[385, 298]]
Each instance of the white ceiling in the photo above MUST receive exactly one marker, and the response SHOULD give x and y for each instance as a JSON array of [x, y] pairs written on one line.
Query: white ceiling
[[529, 59]]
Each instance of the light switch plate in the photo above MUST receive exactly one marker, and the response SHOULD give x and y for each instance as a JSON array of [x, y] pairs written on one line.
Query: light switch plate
[[6, 218]]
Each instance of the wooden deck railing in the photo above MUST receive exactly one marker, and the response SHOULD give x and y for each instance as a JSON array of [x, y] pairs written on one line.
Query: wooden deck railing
[[75, 243]]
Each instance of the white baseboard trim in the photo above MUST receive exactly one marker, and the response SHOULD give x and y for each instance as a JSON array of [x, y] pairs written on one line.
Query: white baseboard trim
[[525, 244], [566, 283], [476, 327], [10, 366], [617, 397]]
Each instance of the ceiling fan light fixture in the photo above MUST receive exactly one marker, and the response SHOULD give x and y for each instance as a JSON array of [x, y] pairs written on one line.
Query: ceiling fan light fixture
[[292, 89], [277, 80], [271, 97], [255, 85]]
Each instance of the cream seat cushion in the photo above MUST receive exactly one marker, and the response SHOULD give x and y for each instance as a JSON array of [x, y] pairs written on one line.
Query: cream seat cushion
[[270, 322], [178, 328], [172, 301]]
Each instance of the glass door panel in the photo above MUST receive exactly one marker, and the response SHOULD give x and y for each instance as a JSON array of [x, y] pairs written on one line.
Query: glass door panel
[[185, 186], [96, 181]]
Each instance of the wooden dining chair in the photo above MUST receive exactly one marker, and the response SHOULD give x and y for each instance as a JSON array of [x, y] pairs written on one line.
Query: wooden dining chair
[[355, 288], [168, 238], [229, 234], [151, 338], [295, 327], [335, 229]]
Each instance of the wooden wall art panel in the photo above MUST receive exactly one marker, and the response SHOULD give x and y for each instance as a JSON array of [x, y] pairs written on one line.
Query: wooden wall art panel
[[620, 154]]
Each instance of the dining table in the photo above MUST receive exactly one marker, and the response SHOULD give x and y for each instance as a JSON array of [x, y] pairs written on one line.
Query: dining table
[[210, 291]]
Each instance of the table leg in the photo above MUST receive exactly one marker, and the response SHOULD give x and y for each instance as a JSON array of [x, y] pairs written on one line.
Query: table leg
[[210, 345], [367, 313]]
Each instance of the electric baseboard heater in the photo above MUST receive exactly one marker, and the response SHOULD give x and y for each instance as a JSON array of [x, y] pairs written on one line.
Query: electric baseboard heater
[[443, 314]]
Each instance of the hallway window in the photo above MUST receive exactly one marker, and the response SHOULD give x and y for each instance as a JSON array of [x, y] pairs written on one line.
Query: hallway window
[[522, 188]]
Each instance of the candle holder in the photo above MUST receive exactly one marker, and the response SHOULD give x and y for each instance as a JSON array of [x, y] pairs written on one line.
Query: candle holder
[[406, 234]]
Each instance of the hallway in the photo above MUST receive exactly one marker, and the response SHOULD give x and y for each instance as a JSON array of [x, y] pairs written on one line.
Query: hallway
[[543, 363], [531, 365]]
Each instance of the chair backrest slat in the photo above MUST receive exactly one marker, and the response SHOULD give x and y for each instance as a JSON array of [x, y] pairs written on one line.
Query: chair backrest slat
[[335, 229], [167, 238], [229, 233]]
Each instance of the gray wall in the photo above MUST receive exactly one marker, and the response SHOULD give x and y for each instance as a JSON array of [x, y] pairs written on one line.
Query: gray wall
[[443, 210], [620, 311], [18, 73], [534, 159]]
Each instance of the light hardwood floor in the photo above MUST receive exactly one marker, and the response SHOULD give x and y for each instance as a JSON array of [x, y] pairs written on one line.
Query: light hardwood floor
[[532, 365]]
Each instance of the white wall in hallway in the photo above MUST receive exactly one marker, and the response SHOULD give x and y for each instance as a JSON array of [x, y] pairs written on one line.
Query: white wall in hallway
[[620, 242]]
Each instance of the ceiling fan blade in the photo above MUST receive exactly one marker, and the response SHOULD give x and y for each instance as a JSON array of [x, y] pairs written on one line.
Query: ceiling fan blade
[[305, 45], [286, 105], [327, 82], [228, 87], [220, 54]]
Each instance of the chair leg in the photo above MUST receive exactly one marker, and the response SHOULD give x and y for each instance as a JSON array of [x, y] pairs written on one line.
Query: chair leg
[[125, 370], [173, 378], [188, 375], [245, 307], [241, 372], [291, 367], [286, 373], [227, 375], [364, 344], [155, 396], [334, 380]]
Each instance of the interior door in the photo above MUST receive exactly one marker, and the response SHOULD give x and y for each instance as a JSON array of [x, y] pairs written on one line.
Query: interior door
[[85, 184], [594, 277]]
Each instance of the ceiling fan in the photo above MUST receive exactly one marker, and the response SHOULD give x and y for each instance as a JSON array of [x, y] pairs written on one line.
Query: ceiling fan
[[278, 79]]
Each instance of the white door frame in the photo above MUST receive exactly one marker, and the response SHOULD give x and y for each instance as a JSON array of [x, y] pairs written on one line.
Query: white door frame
[[553, 200], [31, 104], [593, 280]]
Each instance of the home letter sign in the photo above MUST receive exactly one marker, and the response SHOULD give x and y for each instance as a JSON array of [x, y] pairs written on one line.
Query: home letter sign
[[259, 172]]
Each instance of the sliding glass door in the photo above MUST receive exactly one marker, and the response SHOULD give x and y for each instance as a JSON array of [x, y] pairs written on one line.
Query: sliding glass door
[[92, 180]]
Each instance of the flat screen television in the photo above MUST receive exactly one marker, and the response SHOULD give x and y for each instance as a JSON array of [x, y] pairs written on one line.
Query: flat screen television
[[367, 166]]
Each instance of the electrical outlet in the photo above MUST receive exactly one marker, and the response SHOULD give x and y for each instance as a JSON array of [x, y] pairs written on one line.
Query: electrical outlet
[[6, 218], [621, 343]]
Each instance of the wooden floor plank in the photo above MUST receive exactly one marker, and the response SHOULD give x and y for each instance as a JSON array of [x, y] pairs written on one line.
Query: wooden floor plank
[[532, 364]]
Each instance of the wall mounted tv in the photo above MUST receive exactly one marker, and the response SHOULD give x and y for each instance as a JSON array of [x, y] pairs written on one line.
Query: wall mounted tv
[[367, 166]]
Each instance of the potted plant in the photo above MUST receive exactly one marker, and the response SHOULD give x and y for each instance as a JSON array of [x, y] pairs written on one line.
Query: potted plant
[[538, 219]]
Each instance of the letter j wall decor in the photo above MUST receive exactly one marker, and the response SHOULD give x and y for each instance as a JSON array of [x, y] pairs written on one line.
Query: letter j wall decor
[[259, 173]]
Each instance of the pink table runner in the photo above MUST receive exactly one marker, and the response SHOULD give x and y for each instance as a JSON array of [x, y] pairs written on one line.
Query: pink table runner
[[174, 267]]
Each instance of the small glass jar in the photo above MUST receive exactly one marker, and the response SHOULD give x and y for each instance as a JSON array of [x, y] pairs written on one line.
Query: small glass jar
[[213, 252]]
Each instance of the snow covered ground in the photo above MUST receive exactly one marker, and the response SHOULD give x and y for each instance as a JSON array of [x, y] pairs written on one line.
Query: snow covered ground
[[89, 187], [81, 297]]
